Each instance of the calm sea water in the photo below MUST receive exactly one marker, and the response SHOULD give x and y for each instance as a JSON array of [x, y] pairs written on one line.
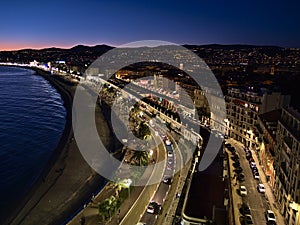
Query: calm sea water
[[32, 119]]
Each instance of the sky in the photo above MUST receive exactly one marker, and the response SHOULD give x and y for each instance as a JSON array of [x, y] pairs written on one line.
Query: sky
[[39, 24]]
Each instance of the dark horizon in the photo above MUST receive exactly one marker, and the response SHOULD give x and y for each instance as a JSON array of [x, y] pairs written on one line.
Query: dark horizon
[[116, 46]]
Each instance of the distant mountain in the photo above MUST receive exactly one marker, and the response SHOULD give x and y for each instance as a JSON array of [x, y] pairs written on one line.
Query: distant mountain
[[232, 46], [96, 48]]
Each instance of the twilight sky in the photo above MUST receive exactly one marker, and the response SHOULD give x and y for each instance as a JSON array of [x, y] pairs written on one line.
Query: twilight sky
[[38, 24]]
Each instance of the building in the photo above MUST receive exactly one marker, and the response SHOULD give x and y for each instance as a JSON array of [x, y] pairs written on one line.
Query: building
[[199, 99], [206, 200], [243, 108], [267, 127], [287, 151]]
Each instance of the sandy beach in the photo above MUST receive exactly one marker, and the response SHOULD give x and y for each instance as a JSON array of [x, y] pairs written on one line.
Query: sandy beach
[[67, 180]]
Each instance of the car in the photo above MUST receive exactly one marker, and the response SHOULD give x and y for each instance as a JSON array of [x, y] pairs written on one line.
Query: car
[[170, 153], [252, 164], [232, 149], [254, 170], [271, 222], [251, 160], [249, 157], [236, 164], [170, 160], [270, 216], [151, 207], [169, 148], [235, 159], [248, 219], [241, 177], [256, 175], [167, 180], [238, 169], [261, 188], [243, 190], [245, 209], [168, 142], [228, 145], [245, 148], [141, 223]]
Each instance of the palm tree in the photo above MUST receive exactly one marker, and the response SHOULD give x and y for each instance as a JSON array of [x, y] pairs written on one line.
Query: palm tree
[[108, 207], [117, 186], [144, 131], [140, 158]]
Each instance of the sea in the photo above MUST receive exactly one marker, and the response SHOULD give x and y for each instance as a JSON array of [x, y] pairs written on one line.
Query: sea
[[32, 119]]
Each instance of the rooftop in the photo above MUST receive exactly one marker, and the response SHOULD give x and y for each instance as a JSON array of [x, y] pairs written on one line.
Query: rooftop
[[205, 199]]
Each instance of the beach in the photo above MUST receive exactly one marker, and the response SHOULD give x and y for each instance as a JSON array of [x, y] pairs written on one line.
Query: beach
[[67, 181]]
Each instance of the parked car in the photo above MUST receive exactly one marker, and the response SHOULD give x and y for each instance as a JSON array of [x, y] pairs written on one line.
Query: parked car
[[270, 216], [252, 164], [256, 175], [243, 190], [261, 188], [236, 164], [170, 153], [241, 177], [254, 170], [238, 169], [249, 157], [248, 219], [232, 150], [227, 145], [245, 209]]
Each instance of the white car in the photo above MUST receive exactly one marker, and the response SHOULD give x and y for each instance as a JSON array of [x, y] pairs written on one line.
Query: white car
[[261, 188], [243, 190], [170, 153], [168, 142], [252, 164], [270, 215]]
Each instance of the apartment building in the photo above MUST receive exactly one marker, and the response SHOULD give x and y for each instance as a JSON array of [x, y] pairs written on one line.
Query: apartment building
[[266, 138], [287, 151], [243, 107]]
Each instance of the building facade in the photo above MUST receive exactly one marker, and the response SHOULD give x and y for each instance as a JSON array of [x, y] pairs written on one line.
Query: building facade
[[243, 108], [287, 151], [267, 127]]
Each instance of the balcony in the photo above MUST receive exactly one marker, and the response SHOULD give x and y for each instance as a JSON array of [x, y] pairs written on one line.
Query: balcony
[[290, 129], [283, 168], [283, 183], [289, 142]]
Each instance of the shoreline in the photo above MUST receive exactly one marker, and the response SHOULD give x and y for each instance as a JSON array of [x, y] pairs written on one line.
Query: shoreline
[[61, 189]]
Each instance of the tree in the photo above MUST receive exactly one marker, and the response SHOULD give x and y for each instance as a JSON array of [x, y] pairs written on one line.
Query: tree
[[108, 207], [140, 158], [118, 187], [144, 131]]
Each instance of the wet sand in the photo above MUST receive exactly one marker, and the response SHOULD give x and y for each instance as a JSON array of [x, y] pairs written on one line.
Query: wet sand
[[67, 180]]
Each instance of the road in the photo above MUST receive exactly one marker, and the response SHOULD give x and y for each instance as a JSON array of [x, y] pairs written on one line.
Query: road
[[256, 201]]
